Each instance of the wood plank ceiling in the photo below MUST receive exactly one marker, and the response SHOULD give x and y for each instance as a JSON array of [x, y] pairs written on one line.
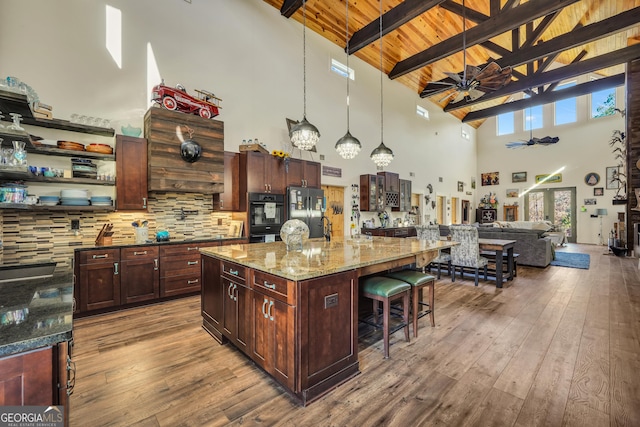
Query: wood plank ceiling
[[545, 41]]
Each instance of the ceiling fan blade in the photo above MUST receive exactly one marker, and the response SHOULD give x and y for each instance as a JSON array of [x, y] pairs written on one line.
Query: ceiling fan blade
[[475, 94], [454, 76], [517, 144], [444, 83], [447, 96], [494, 78], [459, 96], [472, 72]]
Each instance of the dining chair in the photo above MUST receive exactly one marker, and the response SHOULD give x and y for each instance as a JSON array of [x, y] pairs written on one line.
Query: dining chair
[[467, 253], [432, 232]]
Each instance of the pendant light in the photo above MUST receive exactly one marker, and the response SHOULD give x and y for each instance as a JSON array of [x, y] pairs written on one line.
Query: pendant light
[[382, 155], [348, 146], [304, 135]]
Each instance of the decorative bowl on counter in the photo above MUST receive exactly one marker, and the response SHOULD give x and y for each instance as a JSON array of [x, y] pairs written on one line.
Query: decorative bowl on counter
[[162, 236], [293, 233]]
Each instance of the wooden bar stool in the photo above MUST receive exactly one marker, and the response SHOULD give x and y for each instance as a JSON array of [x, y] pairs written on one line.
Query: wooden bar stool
[[386, 289], [418, 280]]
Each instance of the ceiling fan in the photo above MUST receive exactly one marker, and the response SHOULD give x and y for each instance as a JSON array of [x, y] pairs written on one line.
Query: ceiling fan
[[547, 140], [474, 81]]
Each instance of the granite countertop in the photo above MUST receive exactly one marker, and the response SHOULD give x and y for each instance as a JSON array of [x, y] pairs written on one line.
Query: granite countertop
[[153, 242], [320, 258], [34, 313]]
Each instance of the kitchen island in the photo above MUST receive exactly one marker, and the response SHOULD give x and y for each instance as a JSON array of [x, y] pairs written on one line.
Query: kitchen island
[[295, 314]]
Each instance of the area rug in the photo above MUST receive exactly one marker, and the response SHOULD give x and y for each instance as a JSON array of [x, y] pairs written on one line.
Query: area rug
[[571, 260]]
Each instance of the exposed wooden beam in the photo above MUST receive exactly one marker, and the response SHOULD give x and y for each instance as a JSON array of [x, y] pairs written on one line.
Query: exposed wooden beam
[[542, 26], [510, 4], [548, 97], [471, 14], [393, 19], [494, 26], [289, 7], [579, 36], [578, 58], [619, 56], [494, 7], [496, 48]]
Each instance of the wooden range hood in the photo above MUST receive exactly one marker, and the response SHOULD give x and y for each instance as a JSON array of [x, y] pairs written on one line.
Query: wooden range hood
[[166, 169]]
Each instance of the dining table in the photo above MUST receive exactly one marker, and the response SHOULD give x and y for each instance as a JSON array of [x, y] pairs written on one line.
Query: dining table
[[500, 247]]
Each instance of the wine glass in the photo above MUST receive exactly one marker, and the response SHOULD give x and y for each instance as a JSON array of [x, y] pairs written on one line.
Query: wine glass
[[16, 121]]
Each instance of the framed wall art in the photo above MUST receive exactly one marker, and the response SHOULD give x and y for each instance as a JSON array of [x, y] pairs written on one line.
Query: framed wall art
[[590, 201], [592, 178], [460, 186], [612, 182], [519, 177], [598, 191], [548, 179], [512, 192], [490, 178]]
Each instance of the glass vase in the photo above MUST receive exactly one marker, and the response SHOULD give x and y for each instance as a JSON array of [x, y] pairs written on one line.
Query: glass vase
[[19, 153]]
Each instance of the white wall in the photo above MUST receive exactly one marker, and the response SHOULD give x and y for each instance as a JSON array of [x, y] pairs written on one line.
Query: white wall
[[583, 148], [249, 55]]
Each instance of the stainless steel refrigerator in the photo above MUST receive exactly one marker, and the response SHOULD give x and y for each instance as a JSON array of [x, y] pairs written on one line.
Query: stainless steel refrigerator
[[306, 204]]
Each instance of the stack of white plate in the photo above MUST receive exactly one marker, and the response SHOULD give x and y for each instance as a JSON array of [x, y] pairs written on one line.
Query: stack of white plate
[[74, 197], [75, 194], [49, 200], [101, 201]]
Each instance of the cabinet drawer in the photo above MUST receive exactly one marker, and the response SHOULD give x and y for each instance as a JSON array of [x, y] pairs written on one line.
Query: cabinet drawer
[[99, 256], [180, 265], [139, 252], [280, 288], [184, 249], [170, 286], [235, 271]]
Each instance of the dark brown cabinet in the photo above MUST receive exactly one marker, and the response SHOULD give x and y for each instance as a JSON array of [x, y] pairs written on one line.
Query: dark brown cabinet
[[131, 173], [391, 181], [140, 279], [371, 193], [109, 279], [405, 196], [484, 216], [264, 172], [98, 279], [390, 232], [236, 315], [180, 268], [212, 298], [303, 173], [231, 199], [37, 378]]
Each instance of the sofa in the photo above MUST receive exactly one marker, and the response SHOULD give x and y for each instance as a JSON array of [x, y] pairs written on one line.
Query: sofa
[[533, 248]]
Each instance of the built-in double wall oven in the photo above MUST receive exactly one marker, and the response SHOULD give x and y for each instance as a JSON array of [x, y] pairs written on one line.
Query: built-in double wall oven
[[266, 216]]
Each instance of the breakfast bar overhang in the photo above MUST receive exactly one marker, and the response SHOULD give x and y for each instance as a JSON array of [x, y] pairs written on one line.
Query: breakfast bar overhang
[[295, 314]]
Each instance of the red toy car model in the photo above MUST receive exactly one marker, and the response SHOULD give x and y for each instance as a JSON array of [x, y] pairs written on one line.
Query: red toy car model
[[206, 104]]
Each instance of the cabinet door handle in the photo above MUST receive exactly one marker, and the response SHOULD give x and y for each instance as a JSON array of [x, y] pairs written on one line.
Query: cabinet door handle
[[191, 282], [229, 290], [192, 262], [234, 272], [115, 269], [101, 256], [264, 308], [235, 292], [155, 263], [221, 204], [270, 310], [140, 253], [192, 249], [269, 285], [71, 376], [144, 202]]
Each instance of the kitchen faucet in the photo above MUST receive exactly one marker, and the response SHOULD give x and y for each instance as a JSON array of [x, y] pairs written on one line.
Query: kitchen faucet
[[326, 228]]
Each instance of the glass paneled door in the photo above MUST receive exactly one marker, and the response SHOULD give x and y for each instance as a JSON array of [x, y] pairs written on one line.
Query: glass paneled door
[[557, 205]]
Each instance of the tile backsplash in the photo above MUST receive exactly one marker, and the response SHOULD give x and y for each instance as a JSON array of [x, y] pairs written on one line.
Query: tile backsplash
[[44, 236]]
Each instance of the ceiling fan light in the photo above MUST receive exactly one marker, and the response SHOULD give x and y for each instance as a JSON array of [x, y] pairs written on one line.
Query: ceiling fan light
[[348, 146], [382, 155], [304, 135]]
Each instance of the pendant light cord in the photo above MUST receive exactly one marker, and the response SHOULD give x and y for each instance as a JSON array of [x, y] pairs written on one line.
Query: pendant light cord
[[348, 70], [304, 59], [381, 72], [464, 44]]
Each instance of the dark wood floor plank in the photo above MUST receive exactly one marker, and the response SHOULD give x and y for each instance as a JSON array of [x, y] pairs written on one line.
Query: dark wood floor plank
[[555, 346]]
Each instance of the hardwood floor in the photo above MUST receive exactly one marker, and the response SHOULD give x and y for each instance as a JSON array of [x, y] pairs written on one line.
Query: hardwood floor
[[557, 346]]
